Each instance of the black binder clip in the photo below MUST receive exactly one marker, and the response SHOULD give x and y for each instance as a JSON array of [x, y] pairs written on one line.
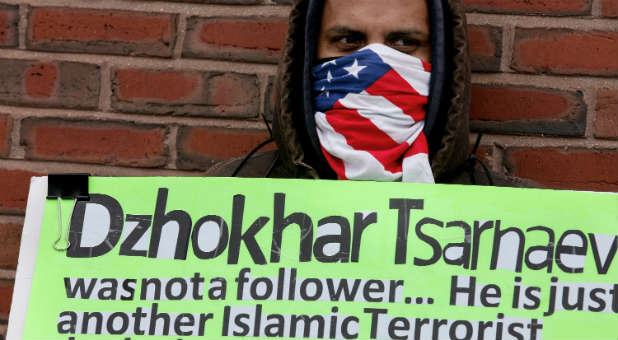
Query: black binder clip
[[67, 186]]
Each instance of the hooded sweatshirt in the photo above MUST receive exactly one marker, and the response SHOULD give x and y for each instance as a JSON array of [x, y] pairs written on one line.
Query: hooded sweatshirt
[[299, 154]]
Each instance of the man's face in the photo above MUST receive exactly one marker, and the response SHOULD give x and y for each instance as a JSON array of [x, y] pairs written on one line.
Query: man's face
[[348, 25]]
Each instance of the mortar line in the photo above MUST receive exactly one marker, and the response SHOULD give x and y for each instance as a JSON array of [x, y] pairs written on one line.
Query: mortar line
[[44, 167], [498, 158], [6, 274], [222, 122], [15, 219], [198, 9], [590, 100], [142, 62], [22, 26], [528, 21], [263, 86], [172, 144], [508, 42], [16, 151], [105, 90], [550, 141], [563, 82], [596, 9], [181, 32]]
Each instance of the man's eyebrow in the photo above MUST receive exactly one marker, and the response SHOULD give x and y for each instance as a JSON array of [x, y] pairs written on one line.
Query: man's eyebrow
[[411, 32], [338, 29]]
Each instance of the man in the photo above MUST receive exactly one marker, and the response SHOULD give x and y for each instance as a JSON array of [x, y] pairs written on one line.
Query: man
[[327, 114]]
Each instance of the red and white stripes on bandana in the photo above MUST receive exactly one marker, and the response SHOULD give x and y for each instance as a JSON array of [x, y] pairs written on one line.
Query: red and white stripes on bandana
[[369, 113]]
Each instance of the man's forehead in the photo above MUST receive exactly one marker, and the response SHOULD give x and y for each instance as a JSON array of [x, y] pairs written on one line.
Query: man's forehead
[[399, 15]]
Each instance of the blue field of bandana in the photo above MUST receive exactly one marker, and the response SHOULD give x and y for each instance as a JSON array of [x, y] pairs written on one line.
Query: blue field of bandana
[[336, 78]]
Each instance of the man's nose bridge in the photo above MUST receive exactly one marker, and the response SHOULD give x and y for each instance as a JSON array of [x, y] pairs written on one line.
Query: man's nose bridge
[[375, 38]]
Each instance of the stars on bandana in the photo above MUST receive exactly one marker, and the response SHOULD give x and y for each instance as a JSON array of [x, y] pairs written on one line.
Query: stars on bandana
[[329, 77], [354, 69], [325, 92], [336, 78]]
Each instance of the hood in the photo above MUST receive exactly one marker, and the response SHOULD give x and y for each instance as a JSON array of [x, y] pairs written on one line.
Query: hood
[[446, 125]]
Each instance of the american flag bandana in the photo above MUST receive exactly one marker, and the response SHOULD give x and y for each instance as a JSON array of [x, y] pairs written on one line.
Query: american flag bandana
[[369, 113]]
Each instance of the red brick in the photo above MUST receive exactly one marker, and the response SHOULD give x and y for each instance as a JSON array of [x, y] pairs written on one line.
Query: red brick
[[563, 51], [244, 39], [485, 47], [115, 143], [481, 43], [41, 80], [228, 2], [158, 86], [609, 8], [10, 236], [9, 17], [49, 83], [5, 134], [606, 121], [6, 292], [579, 169], [201, 147], [101, 31], [205, 94], [14, 186], [232, 89], [254, 35], [516, 109], [547, 7]]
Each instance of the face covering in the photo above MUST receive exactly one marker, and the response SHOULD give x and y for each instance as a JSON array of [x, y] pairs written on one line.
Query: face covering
[[369, 113]]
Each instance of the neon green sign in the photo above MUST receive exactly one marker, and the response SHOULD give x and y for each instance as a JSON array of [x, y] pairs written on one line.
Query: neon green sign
[[189, 258]]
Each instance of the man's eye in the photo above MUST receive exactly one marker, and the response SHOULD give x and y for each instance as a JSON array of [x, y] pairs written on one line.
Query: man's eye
[[405, 45], [404, 42], [346, 43]]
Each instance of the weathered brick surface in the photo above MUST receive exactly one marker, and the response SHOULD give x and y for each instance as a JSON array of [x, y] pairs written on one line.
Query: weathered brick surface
[[485, 48], [65, 112], [546, 7], [606, 121], [609, 8], [5, 134], [6, 292], [243, 39], [9, 18], [115, 143], [206, 94], [40, 80], [517, 109], [14, 186], [563, 51], [200, 148], [166, 87], [270, 100], [101, 31], [10, 236], [560, 53], [224, 2], [49, 83], [579, 169], [228, 90]]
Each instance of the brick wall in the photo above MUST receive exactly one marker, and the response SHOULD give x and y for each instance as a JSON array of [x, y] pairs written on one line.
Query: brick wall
[[170, 87]]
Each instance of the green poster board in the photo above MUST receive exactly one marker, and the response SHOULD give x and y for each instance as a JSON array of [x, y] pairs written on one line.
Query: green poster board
[[215, 258]]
